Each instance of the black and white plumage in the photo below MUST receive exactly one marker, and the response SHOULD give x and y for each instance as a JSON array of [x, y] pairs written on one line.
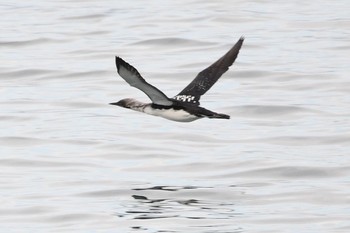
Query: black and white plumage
[[183, 107]]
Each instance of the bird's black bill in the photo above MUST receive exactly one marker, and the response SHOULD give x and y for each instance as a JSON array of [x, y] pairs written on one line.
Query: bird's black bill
[[116, 103]]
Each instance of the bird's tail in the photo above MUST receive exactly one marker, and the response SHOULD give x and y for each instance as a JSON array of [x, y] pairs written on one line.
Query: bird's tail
[[219, 116]]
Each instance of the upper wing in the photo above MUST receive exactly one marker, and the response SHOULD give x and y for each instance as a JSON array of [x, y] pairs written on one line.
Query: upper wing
[[133, 77], [208, 77]]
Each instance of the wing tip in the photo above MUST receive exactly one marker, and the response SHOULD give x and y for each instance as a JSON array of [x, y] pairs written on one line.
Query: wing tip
[[241, 39], [239, 43], [119, 61]]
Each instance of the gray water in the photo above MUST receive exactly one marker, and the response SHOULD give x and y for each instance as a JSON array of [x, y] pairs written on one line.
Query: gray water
[[69, 162]]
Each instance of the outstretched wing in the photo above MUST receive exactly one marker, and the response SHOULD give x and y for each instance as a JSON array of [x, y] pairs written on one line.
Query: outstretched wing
[[133, 77], [208, 77]]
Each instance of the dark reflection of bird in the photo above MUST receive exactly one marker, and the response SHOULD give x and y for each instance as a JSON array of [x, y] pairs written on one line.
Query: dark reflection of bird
[[184, 107]]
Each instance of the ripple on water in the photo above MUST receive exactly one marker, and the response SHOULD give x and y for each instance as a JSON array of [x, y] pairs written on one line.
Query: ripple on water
[[172, 42], [270, 111], [31, 42], [340, 139], [294, 172], [26, 73]]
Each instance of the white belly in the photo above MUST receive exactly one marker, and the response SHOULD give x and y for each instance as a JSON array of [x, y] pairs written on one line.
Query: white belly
[[171, 114]]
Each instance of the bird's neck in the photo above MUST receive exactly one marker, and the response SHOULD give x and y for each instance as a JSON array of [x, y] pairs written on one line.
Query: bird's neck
[[139, 106]]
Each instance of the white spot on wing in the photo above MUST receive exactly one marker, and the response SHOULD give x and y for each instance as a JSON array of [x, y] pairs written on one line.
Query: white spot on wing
[[185, 98]]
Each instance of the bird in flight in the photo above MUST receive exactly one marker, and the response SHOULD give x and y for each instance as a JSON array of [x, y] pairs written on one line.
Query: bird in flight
[[185, 106]]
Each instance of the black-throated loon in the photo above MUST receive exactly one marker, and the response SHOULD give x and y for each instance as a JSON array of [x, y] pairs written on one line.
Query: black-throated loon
[[184, 107]]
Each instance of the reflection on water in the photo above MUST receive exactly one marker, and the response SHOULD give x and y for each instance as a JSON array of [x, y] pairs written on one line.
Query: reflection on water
[[72, 163], [206, 213]]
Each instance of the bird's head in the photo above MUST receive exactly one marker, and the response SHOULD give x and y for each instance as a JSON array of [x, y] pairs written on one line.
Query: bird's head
[[128, 103]]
